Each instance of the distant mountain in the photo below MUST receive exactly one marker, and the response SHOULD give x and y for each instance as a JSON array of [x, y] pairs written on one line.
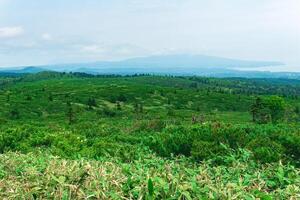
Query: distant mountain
[[167, 65], [192, 61], [24, 70], [170, 62]]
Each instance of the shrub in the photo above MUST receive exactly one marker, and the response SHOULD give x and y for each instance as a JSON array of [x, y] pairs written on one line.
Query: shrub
[[103, 148], [148, 125], [108, 112], [265, 150], [269, 143], [202, 150]]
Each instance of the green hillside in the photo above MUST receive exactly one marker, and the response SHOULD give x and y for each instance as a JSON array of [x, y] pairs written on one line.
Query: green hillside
[[78, 136]]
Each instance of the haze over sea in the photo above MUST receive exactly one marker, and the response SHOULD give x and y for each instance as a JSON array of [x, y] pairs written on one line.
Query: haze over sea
[[283, 68]]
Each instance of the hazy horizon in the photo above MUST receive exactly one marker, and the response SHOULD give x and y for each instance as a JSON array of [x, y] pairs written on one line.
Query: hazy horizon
[[72, 31]]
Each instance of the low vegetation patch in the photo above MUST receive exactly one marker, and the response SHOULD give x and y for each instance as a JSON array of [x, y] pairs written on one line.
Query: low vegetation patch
[[41, 176]]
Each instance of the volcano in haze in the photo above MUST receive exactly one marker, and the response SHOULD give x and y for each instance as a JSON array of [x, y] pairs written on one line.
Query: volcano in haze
[[160, 64], [170, 62]]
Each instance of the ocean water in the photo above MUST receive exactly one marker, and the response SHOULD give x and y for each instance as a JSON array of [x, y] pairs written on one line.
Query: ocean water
[[283, 68]]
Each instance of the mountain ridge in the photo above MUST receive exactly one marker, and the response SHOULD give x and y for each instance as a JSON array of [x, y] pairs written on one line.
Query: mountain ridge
[[176, 64]]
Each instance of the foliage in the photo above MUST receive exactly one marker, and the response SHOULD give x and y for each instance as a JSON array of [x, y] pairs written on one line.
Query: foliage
[[271, 109], [269, 143], [148, 137], [42, 176]]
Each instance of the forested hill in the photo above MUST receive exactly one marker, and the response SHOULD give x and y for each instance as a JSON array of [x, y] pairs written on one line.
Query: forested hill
[[285, 87]]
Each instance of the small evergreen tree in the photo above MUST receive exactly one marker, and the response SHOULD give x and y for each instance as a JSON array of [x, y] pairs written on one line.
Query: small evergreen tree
[[28, 98], [271, 109], [118, 105], [14, 113], [50, 97], [91, 103], [277, 106], [136, 107], [70, 113], [8, 97], [169, 101], [122, 98], [141, 109], [297, 110]]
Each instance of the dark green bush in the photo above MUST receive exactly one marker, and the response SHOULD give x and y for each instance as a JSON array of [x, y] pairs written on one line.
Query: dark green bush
[[265, 150], [269, 143], [202, 150], [149, 125], [102, 148]]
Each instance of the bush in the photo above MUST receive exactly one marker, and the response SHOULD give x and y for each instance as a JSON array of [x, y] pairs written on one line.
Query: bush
[[268, 143], [202, 150], [108, 112], [103, 148], [148, 126], [265, 150]]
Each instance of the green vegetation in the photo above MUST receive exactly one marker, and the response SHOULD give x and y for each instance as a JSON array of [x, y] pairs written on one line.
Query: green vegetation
[[150, 177], [77, 136]]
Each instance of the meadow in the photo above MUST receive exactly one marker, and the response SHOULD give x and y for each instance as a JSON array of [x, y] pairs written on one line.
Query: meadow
[[79, 136]]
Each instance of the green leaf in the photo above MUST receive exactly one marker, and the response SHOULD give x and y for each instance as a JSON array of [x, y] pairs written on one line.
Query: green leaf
[[186, 195], [150, 187], [60, 179]]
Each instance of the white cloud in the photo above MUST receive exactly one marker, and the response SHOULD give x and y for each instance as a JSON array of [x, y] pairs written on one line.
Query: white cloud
[[11, 32], [93, 49], [46, 36]]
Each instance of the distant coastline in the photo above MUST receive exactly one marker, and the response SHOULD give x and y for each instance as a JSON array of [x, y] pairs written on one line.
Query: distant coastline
[[280, 68]]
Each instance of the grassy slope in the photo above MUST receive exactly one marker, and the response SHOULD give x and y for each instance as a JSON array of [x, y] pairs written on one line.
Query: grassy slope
[[155, 95]]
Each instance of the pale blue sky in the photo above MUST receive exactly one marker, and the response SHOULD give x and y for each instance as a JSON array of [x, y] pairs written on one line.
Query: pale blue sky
[[34, 32]]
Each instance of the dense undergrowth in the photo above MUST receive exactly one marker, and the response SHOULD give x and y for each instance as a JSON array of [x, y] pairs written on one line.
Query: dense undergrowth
[[42, 176], [268, 143]]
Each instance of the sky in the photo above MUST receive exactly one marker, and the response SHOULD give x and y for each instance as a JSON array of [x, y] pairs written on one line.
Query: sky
[[37, 32]]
